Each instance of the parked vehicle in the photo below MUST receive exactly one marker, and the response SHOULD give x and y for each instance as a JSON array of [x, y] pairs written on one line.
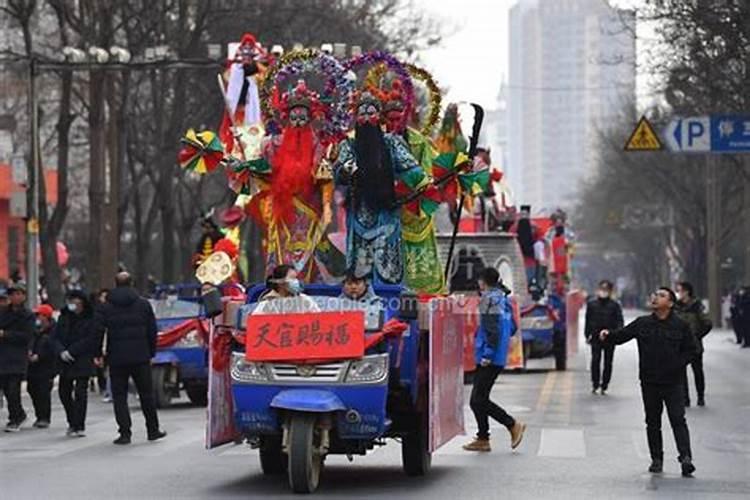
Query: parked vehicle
[[181, 361]]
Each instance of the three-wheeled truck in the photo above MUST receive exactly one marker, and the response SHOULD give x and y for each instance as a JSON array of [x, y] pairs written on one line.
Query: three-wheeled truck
[[181, 360], [340, 380]]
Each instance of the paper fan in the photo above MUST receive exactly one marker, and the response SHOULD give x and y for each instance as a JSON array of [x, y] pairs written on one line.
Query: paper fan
[[201, 152]]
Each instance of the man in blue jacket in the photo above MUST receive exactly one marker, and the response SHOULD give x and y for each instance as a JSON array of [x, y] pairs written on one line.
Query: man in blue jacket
[[491, 351]]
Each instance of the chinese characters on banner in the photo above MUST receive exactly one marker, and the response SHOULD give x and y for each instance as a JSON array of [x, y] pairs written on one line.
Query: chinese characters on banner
[[303, 336]]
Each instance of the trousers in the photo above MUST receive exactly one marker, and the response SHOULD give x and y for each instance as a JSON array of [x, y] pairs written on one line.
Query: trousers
[[141, 375], [700, 378], [40, 390], [11, 387], [74, 398], [655, 398], [596, 364], [482, 405]]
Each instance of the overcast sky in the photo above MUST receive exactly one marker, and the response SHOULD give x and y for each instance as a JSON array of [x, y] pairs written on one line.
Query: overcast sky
[[473, 57]]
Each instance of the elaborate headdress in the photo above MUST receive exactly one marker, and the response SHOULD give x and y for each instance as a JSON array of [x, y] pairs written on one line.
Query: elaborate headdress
[[368, 95], [298, 97], [394, 100]]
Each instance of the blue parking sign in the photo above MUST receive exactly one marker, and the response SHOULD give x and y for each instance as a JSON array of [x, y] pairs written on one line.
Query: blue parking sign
[[730, 133]]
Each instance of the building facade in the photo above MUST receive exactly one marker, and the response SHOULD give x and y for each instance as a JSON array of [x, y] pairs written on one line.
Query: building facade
[[572, 72]]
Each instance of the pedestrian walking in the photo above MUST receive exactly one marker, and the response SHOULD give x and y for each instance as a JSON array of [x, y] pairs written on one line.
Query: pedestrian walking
[[602, 313], [691, 311], [743, 315], [41, 371], [490, 352], [75, 343], [130, 327], [16, 331], [102, 378], [665, 347]]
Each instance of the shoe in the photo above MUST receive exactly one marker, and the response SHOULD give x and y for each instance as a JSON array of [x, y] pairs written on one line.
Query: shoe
[[604, 391], [701, 401], [594, 390], [41, 424], [123, 439], [516, 434], [106, 399], [79, 434], [687, 467], [70, 432], [478, 445], [657, 467], [158, 435], [13, 427]]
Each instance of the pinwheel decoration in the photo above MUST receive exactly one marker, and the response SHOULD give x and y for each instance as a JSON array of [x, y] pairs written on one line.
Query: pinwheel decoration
[[201, 152]]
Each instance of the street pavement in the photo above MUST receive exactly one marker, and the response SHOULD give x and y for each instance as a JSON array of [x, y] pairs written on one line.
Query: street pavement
[[578, 445]]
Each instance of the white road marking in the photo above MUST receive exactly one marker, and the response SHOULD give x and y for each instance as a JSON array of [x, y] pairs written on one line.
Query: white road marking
[[639, 443], [562, 443]]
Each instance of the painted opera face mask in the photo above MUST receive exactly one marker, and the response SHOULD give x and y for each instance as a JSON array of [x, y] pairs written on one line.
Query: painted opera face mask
[[299, 116], [368, 113]]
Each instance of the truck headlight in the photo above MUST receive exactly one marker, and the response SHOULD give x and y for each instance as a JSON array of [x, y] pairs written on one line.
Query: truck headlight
[[368, 369], [247, 371]]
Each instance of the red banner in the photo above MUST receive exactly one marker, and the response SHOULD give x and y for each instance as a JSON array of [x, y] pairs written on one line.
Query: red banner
[[220, 427], [446, 371], [302, 336]]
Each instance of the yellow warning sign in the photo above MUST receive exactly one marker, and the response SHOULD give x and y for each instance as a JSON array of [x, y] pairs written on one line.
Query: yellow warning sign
[[643, 138]]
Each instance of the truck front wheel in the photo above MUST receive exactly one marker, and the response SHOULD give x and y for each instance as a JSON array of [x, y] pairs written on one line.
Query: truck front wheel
[[305, 461]]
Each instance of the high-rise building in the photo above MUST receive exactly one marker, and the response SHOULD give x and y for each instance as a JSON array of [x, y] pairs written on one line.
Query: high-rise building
[[572, 72]]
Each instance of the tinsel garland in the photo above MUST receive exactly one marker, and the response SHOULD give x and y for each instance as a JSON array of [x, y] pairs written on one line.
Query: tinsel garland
[[335, 96], [377, 57]]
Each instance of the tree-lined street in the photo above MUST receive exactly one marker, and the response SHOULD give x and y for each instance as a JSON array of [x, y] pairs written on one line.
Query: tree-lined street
[[577, 445]]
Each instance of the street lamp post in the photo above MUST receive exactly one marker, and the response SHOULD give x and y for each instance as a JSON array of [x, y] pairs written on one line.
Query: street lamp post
[[32, 222]]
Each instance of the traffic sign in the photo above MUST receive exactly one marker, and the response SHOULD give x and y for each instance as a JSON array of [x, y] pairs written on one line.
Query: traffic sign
[[689, 135], [643, 138], [709, 134], [730, 133]]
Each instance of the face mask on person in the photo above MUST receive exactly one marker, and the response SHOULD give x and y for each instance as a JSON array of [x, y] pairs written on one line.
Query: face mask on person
[[38, 323], [602, 294], [294, 286], [72, 307]]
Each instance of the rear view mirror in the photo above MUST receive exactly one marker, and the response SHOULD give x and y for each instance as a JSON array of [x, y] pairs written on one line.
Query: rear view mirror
[[408, 309]]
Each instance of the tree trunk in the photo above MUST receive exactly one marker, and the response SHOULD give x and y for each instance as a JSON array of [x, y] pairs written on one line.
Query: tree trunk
[[97, 160]]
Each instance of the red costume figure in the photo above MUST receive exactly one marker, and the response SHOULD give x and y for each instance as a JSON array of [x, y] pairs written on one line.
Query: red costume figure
[[296, 204]]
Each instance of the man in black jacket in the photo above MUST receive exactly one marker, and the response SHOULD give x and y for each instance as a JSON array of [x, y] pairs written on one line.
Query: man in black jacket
[[76, 344], [602, 313], [130, 326], [41, 371], [665, 346], [16, 331]]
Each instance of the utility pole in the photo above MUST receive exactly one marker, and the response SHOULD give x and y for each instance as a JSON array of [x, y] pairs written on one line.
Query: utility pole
[[32, 220], [713, 237]]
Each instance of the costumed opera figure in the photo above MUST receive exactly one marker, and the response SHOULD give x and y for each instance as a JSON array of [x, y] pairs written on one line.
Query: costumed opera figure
[[423, 271], [295, 204], [240, 81], [371, 163]]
